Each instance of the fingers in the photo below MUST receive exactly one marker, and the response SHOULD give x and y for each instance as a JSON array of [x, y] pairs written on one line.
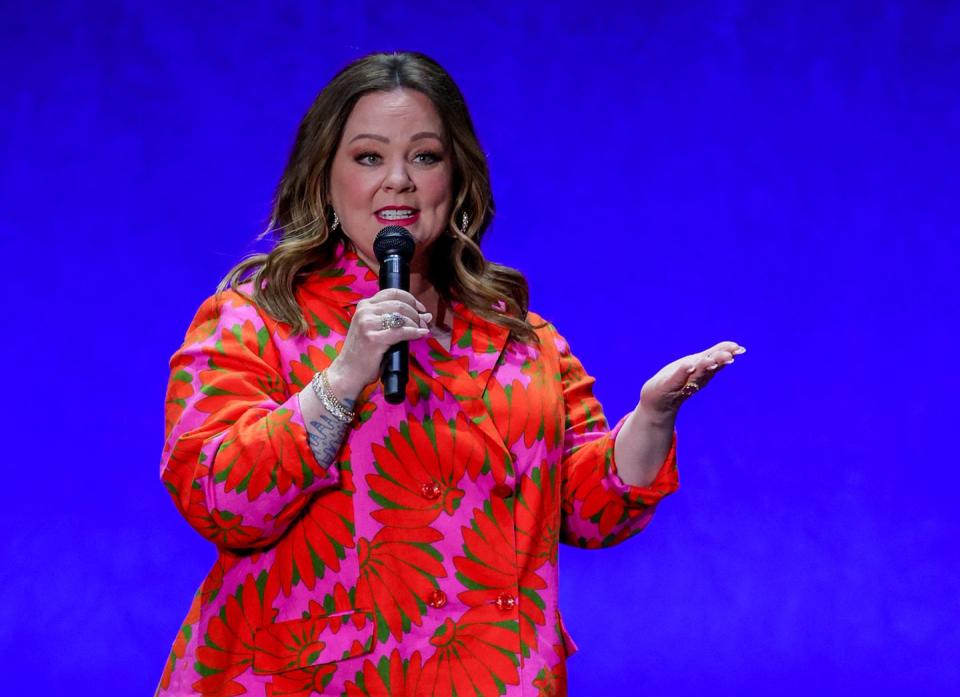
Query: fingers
[[400, 295], [725, 351], [395, 300], [410, 315], [717, 356], [373, 329], [371, 312], [392, 335], [373, 317], [699, 369], [702, 367]]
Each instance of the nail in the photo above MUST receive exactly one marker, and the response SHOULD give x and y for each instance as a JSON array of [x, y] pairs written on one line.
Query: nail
[[739, 351], [691, 369], [712, 367], [729, 362]]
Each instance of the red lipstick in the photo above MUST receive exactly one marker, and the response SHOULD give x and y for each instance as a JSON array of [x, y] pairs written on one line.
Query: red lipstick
[[403, 215]]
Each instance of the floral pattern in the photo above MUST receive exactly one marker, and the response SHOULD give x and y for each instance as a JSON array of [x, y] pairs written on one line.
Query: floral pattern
[[399, 569], [476, 654], [423, 454], [423, 560]]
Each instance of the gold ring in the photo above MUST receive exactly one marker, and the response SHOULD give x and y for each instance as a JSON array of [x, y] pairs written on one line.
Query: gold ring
[[690, 388]]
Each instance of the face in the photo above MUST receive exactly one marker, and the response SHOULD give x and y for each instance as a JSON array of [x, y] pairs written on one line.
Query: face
[[392, 167]]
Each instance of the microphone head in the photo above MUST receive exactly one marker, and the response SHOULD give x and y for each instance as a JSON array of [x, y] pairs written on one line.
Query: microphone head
[[394, 239]]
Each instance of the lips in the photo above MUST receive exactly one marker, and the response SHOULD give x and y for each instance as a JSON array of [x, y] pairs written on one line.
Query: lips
[[397, 215]]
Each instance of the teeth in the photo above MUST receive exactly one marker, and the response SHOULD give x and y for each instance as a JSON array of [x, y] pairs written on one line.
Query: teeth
[[396, 215]]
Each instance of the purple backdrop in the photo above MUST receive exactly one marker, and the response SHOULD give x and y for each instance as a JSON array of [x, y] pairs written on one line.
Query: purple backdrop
[[781, 174]]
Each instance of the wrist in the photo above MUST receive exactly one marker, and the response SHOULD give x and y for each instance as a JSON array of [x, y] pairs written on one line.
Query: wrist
[[654, 418], [343, 387]]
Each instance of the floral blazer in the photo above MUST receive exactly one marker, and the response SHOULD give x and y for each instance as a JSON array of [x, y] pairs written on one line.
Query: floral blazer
[[423, 561]]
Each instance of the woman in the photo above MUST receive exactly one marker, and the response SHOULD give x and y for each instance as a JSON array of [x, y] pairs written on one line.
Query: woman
[[411, 549]]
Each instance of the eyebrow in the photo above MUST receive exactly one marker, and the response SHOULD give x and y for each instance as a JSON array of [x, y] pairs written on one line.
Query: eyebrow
[[416, 136], [371, 136], [425, 134]]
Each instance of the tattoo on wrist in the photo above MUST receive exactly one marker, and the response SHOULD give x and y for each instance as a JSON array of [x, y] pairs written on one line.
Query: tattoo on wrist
[[325, 436]]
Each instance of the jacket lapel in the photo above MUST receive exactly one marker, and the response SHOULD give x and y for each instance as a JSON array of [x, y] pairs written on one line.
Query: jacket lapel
[[464, 371], [346, 282]]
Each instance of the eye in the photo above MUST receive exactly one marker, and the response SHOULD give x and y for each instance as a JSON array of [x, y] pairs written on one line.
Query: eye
[[367, 158], [427, 158]]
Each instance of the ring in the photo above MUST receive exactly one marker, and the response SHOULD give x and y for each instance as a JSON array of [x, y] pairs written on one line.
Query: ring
[[690, 388], [391, 320]]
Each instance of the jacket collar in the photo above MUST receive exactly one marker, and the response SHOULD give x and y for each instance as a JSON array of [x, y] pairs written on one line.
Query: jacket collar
[[475, 344], [344, 283]]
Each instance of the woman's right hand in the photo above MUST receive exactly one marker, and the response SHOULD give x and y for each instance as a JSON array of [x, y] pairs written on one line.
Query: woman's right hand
[[358, 363]]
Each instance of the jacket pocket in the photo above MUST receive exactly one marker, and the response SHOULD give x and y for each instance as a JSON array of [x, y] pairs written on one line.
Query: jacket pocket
[[308, 642], [569, 646]]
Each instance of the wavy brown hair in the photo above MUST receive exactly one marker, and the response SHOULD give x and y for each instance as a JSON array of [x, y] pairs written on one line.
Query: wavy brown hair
[[301, 219]]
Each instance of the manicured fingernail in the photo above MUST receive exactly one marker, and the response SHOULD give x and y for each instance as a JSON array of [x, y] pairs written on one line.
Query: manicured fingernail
[[739, 351], [729, 362], [691, 369], [712, 367], [427, 315]]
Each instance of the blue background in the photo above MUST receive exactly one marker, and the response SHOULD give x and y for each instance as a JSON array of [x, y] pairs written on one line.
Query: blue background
[[668, 174]]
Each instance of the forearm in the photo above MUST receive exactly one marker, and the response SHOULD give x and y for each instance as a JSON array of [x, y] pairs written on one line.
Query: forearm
[[241, 486], [642, 445], [325, 433]]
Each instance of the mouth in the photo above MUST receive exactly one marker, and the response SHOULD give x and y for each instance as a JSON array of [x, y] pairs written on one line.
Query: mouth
[[397, 215]]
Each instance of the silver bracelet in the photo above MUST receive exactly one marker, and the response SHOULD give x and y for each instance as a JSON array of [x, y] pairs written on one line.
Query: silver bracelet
[[329, 400]]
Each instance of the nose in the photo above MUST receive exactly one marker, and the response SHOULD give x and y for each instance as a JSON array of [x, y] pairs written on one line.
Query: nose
[[398, 177]]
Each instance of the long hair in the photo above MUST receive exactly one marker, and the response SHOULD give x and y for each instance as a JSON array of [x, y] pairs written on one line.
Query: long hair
[[301, 218]]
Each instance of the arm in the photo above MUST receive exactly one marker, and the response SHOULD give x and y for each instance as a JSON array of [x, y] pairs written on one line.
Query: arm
[[237, 459], [618, 477], [600, 508], [647, 434], [642, 446], [243, 455], [325, 433]]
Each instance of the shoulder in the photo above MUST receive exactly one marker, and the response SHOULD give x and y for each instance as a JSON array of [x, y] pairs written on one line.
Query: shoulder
[[228, 303], [550, 339], [228, 310]]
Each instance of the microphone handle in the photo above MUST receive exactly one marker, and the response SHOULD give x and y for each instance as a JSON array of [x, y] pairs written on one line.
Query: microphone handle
[[394, 367]]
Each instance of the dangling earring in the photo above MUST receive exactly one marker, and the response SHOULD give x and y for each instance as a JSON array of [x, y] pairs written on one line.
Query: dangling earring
[[464, 223], [336, 222]]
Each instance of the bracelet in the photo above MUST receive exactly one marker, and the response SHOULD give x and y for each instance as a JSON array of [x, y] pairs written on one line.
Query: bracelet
[[321, 387]]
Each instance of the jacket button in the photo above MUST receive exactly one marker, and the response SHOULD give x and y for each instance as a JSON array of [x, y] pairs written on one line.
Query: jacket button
[[437, 599], [502, 490], [505, 602], [430, 491]]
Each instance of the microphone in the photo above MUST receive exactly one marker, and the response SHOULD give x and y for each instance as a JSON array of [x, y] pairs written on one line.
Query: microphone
[[394, 247]]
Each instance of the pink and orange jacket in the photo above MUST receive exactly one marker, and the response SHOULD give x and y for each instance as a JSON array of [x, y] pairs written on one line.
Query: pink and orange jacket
[[423, 561]]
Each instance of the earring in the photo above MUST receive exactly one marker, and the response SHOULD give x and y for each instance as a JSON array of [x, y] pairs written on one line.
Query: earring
[[464, 223], [336, 222]]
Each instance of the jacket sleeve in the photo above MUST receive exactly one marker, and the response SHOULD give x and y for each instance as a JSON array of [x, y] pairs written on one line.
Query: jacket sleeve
[[598, 508], [236, 459]]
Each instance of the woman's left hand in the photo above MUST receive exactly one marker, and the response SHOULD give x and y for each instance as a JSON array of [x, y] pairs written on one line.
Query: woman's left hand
[[662, 395]]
